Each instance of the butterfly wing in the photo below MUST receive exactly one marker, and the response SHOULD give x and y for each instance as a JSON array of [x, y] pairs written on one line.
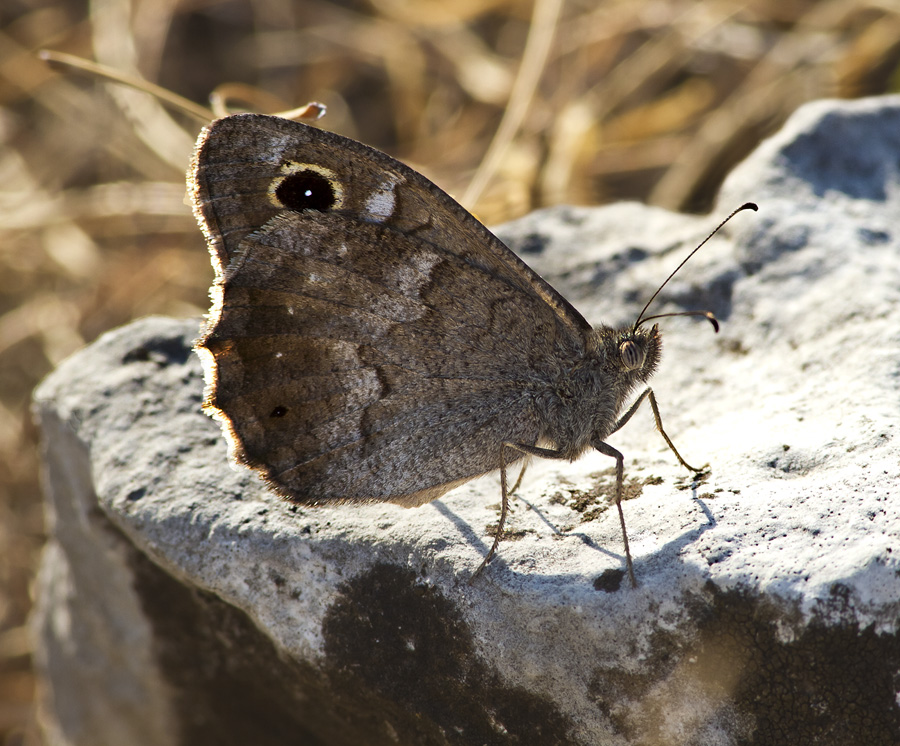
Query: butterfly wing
[[369, 338]]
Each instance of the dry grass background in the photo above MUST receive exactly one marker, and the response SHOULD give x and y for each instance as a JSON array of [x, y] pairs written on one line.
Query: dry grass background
[[616, 99]]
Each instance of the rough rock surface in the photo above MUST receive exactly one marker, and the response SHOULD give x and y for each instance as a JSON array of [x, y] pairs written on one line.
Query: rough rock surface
[[180, 602]]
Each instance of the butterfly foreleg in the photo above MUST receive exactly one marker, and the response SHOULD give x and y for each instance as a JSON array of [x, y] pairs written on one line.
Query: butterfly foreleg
[[648, 392]]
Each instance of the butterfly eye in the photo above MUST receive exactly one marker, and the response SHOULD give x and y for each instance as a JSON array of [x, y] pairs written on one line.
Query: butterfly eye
[[632, 355]]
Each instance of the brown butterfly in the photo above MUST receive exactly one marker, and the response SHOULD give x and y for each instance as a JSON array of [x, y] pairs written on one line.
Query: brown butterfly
[[370, 340]]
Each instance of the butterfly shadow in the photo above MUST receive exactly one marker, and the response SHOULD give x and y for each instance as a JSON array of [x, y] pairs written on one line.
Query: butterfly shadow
[[585, 539], [671, 549], [465, 529]]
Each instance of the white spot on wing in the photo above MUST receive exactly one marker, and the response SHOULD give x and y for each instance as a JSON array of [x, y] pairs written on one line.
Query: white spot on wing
[[410, 277], [424, 261], [381, 203]]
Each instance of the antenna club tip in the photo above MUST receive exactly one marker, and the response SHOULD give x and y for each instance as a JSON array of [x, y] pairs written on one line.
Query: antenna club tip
[[711, 318], [749, 206]]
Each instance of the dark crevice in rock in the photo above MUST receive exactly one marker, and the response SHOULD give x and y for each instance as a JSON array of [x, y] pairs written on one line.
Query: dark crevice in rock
[[404, 649]]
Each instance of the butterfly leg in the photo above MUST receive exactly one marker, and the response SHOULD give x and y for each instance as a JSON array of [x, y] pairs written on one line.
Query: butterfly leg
[[648, 392], [504, 509], [608, 450], [505, 493], [519, 479]]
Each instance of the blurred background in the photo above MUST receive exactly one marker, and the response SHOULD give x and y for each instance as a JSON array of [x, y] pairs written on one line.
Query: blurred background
[[508, 105]]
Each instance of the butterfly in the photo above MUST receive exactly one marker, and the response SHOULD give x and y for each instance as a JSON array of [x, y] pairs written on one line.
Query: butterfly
[[370, 340]]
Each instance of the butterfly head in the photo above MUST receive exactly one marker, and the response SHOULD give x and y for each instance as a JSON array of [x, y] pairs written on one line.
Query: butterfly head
[[638, 351]]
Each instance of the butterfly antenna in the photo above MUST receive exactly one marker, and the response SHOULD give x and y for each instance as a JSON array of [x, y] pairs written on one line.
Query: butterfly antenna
[[706, 314]]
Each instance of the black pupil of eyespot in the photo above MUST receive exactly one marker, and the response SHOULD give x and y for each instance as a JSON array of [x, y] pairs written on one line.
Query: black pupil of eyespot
[[306, 190], [278, 412]]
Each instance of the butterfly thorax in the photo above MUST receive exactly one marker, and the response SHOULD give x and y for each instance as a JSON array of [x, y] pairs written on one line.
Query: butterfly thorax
[[585, 398]]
